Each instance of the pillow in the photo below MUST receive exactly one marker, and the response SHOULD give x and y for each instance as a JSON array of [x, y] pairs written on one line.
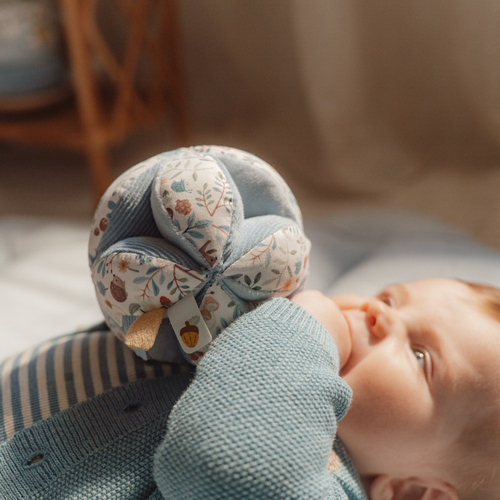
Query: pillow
[[186, 241], [361, 251]]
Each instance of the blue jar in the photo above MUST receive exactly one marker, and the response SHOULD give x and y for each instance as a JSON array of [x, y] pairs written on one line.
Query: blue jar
[[31, 55]]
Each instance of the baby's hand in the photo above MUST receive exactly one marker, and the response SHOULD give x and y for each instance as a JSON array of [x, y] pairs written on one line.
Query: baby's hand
[[329, 315]]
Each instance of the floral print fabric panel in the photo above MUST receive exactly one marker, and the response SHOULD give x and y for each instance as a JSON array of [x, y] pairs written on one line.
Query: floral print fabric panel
[[197, 201], [129, 284], [274, 267]]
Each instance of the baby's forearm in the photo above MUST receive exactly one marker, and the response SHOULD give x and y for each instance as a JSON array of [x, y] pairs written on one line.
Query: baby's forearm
[[260, 417]]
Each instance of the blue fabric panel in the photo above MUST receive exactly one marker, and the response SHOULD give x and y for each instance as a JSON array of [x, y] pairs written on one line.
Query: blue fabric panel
[[132, 216], [154, 247]]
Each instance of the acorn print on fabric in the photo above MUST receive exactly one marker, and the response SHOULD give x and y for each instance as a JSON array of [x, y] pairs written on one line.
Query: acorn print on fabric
[[190, 335], [117, 288], [209, 305]]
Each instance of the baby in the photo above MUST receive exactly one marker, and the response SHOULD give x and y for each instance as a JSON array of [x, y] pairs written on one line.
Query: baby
[[83, 417], [421, 360], [197, 256]]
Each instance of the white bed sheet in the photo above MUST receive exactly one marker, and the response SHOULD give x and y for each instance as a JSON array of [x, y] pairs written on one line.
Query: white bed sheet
[[45, 286]]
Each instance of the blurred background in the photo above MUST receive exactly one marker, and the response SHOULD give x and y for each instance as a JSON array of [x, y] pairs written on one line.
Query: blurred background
[[357, 104]]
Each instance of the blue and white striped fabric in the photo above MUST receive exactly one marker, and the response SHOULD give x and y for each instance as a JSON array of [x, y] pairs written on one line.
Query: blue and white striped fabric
[[65, 371]]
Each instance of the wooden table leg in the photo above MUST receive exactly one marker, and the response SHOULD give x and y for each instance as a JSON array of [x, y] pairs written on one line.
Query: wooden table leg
[[95, 139]]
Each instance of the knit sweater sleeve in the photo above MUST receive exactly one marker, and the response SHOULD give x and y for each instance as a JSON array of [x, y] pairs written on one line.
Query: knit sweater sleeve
[[260, 417]]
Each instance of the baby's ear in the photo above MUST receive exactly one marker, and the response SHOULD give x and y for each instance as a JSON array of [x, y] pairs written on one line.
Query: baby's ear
[[389, 488]]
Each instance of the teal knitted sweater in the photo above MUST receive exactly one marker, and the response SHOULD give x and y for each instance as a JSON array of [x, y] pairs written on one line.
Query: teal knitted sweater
[[258, 421]]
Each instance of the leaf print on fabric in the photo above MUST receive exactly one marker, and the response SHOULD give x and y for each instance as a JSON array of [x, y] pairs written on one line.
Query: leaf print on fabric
[[133, 308], [272, 265], [204, 213], [102, 289]]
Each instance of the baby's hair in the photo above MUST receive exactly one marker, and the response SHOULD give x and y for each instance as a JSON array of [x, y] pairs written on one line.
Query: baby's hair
[[474, 457], [477, 451], [489, 298]]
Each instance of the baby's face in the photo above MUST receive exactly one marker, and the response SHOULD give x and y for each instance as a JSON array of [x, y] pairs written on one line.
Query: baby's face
[[420, 352]]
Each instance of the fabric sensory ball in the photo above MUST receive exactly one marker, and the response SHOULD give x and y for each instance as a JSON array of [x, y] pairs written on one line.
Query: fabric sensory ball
[[186, 241]]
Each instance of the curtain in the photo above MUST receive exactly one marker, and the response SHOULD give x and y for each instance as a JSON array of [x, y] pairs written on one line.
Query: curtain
[[397, 87], [349, 96]]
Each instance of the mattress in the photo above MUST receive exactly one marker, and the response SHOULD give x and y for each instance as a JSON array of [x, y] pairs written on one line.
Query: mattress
[[46, 290]]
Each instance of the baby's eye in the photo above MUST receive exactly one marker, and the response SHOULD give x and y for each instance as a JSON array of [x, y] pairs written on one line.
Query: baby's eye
[[385, 298], [421, 358]]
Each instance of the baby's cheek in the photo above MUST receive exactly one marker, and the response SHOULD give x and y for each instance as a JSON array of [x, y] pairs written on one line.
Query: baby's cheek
[[390, 414], [386, 399]]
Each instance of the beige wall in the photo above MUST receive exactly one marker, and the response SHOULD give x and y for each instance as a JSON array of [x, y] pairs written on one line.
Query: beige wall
[[369, 93]]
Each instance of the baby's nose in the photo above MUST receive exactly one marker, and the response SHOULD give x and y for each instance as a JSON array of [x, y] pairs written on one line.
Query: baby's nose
[[378, 318]]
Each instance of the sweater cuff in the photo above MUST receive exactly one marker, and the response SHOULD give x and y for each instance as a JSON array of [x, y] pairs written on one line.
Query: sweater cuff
[[298, 321], [283, 324]]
